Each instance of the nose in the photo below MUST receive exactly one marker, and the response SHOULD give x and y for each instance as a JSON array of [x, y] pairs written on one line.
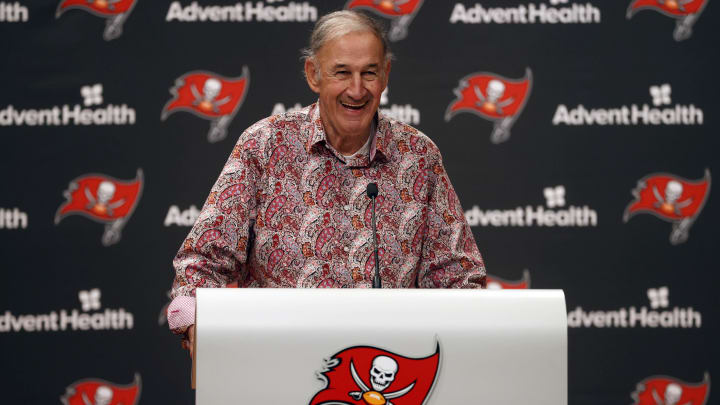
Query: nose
[[356, 88]]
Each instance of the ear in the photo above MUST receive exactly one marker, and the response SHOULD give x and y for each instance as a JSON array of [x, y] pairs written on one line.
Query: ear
[[311, 75], [387, 74]]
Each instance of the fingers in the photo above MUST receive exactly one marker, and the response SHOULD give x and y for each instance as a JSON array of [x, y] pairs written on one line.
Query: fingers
[[188, 343]]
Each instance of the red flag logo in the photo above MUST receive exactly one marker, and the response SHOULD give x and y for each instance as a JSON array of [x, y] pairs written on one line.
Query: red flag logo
[[671, 198], [95, 391], [401, 12], [672, 8], [103, 199], [364, 375], [388, 8], [497, 283], [493, 98], [686, 12], [660, 390], [115, 11], [102, 8], [209, 96]]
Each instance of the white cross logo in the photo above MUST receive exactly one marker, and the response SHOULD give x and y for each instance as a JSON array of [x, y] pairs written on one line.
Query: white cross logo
[[661, 94], [89, 299], [658, 297], [92, 95], [555, 196]]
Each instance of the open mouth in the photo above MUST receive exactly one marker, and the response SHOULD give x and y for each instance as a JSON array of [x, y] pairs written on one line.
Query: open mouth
[[355, 107]]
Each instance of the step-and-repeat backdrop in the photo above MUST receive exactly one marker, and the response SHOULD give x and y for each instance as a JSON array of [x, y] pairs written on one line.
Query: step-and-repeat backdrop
[[580, 137]]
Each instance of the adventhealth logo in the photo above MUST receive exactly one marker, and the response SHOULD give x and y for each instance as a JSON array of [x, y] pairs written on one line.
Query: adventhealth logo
[[13, 12], [185, 217], [92, 96], [662, 112], [557, 12], [91, 317], [248, 11], [13, 218], [659, 315], [555, 213]]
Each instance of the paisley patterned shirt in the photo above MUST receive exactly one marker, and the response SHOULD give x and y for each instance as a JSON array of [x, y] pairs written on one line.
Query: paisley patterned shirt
[[290, 211]]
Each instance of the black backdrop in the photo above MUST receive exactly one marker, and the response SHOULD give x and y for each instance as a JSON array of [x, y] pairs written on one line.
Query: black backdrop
[[50, 54]]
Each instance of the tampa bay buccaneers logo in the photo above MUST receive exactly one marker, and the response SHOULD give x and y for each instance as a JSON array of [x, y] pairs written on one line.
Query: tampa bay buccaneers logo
[[497, 283], [401, 13], [209, 96], [93, 391], [115, 12], [493, 98], [671, 198], [685, 13], [663, 390], [103, 199], [366, 375]]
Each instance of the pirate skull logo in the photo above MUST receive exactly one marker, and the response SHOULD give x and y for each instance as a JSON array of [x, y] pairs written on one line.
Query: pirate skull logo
[[382, 374]]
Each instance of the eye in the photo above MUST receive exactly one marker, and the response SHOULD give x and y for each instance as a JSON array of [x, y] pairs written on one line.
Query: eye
[[369, 75], [342, 74]]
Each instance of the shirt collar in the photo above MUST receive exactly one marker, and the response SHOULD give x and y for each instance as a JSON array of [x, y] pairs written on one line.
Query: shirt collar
[[318, 137]]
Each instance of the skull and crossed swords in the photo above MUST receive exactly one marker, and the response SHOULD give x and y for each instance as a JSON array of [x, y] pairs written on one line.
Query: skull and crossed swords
[[491, 103], [103, 396], [101, 205], [382, 374], [207, 100], [675, 4], [109, 4], [670, 204], [391, 4]]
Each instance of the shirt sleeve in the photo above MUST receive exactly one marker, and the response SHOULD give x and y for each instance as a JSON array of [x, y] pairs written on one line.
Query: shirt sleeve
[[216, 249], [450, 256]]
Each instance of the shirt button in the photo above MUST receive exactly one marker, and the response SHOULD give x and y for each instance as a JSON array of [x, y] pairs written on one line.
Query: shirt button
[[347, 208], [347, 249]]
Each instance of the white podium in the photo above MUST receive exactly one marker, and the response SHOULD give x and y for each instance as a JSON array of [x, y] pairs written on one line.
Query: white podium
[[395, 347]]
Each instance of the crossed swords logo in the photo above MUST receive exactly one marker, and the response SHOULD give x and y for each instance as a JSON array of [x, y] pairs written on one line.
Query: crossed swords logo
[[376, 396]]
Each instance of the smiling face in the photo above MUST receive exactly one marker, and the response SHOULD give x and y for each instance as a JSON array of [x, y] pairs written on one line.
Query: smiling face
[[352, 76]]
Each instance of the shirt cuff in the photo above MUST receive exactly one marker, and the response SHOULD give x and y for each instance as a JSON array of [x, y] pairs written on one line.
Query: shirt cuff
[[181, 314]]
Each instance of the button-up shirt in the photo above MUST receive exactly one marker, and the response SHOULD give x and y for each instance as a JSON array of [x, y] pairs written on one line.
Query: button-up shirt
[[288, 210]]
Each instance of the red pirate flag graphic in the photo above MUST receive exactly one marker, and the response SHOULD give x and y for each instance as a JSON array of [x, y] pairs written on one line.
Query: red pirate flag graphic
[[671, 198], [685, 12], [102, 199], [663, 390], [497, 283], [114, 11], [493, 98], [209, 96], [365, 375], [401, 12], [93, 391]]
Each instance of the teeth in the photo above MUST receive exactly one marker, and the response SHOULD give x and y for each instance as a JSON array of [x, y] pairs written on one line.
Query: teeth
[[353, 105]]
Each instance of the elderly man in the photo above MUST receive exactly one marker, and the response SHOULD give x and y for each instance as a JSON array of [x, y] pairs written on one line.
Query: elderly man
[[290, 207]]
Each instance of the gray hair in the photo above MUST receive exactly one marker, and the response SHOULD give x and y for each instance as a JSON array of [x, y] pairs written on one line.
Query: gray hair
[[339, 23]]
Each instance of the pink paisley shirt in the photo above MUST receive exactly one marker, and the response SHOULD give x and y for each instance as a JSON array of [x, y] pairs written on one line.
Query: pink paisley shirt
[[290, 211]]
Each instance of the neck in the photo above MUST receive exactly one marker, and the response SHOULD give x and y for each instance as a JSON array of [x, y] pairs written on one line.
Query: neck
[[345, 144]]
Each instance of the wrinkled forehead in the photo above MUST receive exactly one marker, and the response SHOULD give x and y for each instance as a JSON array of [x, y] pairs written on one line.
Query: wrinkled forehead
[[355, 49]]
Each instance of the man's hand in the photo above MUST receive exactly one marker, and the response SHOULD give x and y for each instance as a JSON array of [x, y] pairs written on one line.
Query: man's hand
[[188, 342]]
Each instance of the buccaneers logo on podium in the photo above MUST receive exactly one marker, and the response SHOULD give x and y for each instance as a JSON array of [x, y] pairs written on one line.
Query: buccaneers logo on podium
[[671, 198], [102, 199], [100, 392], [210, 96], [663, 390], [115, 13], [493, 98], [401, 12], [685, 13], [366, 375]]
